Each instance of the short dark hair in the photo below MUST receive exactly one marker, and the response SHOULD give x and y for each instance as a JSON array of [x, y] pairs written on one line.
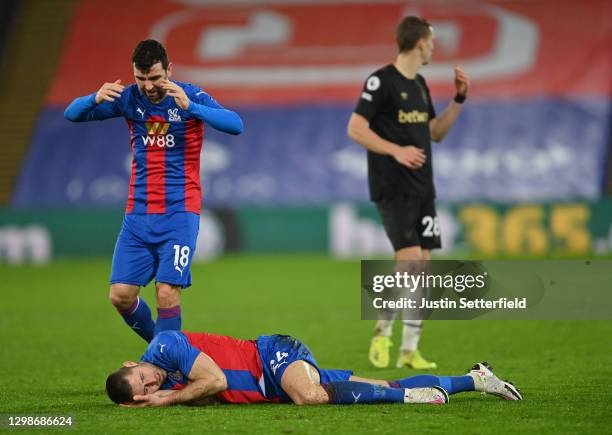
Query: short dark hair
[[118, 388], [409, 31], [147, 53]]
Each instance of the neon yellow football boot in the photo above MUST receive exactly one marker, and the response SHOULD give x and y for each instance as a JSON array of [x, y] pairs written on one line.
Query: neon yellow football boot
[[415, 360], [379, 351]]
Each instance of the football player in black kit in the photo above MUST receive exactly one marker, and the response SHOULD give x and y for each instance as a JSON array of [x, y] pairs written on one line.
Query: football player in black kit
[[395, 121]]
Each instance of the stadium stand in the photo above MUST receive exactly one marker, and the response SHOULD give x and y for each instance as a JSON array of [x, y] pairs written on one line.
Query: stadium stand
[[524, 169], [531, 130], [33, 43], [7, 11]]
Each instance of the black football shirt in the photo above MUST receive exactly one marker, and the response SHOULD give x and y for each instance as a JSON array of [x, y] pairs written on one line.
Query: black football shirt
[[398, 110]]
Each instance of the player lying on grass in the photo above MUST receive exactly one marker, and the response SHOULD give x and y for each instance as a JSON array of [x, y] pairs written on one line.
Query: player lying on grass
[[199, 369]]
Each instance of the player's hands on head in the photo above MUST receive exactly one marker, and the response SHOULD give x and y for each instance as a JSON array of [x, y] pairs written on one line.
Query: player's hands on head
[[159, 398], [175, 91], [410, 156], [109, 91], [462, 81]]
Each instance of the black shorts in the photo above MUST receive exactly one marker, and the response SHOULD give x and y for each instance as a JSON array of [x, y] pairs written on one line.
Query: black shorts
[[410, 221]]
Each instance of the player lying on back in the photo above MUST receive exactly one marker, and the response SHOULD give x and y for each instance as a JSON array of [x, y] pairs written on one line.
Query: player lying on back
[[199, 368]]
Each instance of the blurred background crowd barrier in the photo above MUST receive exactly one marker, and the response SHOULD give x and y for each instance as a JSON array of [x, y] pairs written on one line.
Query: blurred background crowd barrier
[[525, 171]]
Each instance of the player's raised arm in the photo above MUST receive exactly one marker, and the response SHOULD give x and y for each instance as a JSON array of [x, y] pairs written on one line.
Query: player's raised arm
[[205, 379], [440, 125], [98, 106], [207, 109]]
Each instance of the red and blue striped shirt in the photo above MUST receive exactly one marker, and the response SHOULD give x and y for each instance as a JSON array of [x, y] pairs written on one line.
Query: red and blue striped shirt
[[166, 143], [176, 352], [240, 362]]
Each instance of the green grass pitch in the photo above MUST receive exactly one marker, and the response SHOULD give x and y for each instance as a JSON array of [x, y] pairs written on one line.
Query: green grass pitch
[[60, 337]]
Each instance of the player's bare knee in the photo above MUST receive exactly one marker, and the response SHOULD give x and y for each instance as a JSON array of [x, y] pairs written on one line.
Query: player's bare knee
[[410, 260], [167, 295], [412, 267], [408, 254], [122, 296], [313, 396]]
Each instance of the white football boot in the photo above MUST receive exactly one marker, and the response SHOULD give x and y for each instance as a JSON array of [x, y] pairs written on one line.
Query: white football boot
[[431, 395], [487, 382]]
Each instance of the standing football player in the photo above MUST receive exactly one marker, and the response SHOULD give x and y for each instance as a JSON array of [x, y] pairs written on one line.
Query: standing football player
[[396, 121], [166, 121]]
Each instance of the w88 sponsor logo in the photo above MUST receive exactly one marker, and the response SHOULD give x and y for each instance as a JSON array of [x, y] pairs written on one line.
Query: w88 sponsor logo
[[156, 135], [160, 140]]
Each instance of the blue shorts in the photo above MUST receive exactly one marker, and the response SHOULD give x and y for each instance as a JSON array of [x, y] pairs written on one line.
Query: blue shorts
[[277, 352], [156, 246]]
